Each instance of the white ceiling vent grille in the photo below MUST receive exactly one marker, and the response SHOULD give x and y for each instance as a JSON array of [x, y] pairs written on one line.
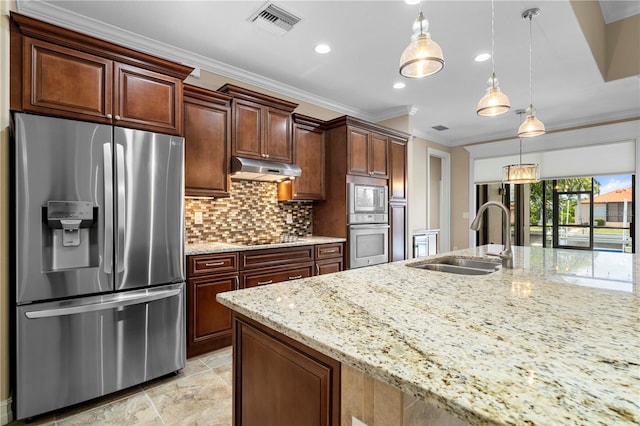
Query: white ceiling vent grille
[[274, 19]]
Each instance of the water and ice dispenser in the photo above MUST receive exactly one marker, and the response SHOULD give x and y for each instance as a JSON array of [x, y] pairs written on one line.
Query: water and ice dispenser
[[70, 239]]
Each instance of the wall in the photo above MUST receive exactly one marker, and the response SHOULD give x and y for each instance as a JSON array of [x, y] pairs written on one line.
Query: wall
[[435, 181], [251, 213], [5, 395], [211, 81], [461, 189]]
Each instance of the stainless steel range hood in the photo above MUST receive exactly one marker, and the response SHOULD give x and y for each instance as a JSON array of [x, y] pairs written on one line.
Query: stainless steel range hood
[[262, 170]]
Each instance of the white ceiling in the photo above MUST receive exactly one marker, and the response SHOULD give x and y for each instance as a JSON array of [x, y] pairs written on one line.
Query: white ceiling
[[366, 38]]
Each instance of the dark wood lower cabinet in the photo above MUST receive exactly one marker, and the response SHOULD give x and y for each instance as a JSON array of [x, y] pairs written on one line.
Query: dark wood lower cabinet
[[278, 381], [209, 322]]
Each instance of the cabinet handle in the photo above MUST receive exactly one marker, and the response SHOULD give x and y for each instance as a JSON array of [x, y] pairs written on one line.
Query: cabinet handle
[[237, 283], [296, 277], [266, 155], [265, 282], [109, 116], [214, 264], [117, 117], [331, 251], [317, 269]]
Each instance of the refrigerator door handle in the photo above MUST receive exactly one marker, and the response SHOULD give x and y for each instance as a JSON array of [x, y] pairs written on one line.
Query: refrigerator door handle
[[108, 208], [117, 301], [121, 206]]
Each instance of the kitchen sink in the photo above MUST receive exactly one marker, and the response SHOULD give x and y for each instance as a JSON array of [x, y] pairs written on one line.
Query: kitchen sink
[[459, 265], [470, 263]]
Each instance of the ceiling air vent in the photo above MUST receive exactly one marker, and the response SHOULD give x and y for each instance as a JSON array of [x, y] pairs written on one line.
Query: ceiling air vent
[[440, 127], [274, 19]]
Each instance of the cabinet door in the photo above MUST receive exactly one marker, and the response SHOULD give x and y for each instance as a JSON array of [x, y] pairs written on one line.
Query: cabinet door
[[309, 155], [397, 239], [64, 82], [206, 133], [398, 171], [378, 155], [278, 381], [247, 129], [147, 100], [278, 142], [208, 322], [329, 266], [357, 151]]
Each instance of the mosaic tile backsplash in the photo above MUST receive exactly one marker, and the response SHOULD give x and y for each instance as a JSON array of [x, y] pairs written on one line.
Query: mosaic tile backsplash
[[252, 212]]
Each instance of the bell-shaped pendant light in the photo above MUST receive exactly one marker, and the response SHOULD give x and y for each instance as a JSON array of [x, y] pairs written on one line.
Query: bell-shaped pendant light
[[423, 56], [521, 173], [532, 126], [494, 102]]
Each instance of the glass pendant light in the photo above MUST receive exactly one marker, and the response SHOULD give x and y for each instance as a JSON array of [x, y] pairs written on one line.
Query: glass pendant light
[[531, 126], [423, 56], [494, 102], [521, 173]]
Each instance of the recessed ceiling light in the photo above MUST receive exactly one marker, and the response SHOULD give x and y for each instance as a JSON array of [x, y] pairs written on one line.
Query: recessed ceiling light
[[412, 2], [322, 48], [399, 85], [482, 57]]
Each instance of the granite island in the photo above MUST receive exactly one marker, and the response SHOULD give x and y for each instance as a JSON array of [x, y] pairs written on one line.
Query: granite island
[[556, 340]]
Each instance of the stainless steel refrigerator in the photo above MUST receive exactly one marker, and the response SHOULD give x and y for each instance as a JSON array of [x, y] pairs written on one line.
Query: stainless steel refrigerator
[[99, 260]]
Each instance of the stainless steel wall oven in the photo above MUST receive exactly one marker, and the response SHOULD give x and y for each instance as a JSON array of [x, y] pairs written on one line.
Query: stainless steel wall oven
[[368, 220]]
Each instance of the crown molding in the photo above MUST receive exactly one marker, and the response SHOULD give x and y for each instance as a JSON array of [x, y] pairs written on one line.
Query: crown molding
[[49, 12]]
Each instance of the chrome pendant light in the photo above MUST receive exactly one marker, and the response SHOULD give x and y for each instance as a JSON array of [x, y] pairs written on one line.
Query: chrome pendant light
[[494, 102], [531, 126], [521, 173], [423, 56]]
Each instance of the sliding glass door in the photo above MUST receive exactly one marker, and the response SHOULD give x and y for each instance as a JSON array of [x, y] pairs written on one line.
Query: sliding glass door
[[588, 213]]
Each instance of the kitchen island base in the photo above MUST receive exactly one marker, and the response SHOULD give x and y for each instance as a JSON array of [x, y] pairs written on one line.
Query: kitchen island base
[[279, 381]]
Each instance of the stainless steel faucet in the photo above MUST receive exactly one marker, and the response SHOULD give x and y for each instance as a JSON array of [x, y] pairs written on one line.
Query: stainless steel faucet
[[506, 255]]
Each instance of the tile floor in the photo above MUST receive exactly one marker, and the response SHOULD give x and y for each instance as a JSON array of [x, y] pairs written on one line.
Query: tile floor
[[199, 395]]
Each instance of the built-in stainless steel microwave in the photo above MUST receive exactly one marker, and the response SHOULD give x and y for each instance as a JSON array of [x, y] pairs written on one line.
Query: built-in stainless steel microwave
[[368, 203]]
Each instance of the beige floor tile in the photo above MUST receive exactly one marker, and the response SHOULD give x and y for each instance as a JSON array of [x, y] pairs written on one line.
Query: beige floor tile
[[219, 361], [200, 399], [193, 366], [133, 410]]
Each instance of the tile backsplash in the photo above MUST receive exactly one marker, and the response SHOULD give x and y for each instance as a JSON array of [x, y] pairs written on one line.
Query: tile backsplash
[[252, 211]]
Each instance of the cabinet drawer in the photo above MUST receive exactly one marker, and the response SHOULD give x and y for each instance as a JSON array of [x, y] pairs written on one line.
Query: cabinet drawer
[[275, 275], [327, 251], [211, 264], [273, 257]]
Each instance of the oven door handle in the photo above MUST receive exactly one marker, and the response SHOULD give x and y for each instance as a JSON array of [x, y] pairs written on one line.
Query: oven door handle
[[370, 226]]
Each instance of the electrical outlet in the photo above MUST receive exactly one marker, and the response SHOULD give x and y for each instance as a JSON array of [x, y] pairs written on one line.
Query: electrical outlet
[[465, 215], [289, 218], [197, 218]]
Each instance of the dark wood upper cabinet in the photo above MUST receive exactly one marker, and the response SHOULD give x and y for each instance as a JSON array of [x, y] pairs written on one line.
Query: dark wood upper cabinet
[[309, 154], [262, 125], [398, 170], [63, 73], [147, 100], [368, 153], [207, 133], [66, 81]]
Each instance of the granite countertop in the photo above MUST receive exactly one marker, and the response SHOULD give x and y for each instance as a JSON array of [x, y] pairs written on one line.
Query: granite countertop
[[556, 340], [215, 247]]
